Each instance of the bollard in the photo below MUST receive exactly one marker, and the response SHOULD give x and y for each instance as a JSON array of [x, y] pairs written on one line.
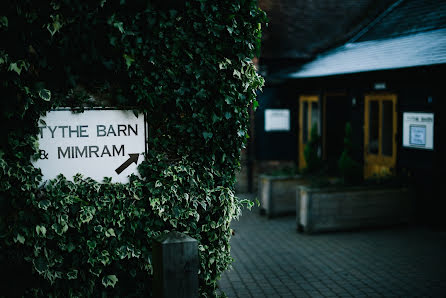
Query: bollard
[[175, 266]]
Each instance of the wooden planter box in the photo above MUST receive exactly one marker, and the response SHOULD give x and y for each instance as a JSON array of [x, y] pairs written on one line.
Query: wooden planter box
[[341, 208], [277, 194]]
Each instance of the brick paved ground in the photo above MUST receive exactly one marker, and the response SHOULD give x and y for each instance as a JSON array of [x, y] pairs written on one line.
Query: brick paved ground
[[273, 260]]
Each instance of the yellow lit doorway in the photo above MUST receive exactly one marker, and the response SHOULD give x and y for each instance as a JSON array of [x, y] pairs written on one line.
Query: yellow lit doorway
[[309, 115], [380, 126]]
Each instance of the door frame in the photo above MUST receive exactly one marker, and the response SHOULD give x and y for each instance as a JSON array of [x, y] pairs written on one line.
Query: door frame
[[301, 145], [324, 117], [379, 163]]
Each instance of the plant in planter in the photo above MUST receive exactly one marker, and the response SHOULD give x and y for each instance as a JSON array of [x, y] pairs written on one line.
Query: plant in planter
[[352, 203], [316, 170], [277, 190]]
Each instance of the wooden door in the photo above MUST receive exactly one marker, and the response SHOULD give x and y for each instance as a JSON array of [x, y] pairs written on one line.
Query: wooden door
[[380, 126], [337, 109], [309, 115]]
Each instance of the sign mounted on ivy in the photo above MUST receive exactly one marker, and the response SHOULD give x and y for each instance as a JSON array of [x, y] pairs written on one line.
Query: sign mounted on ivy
[[95, 143], [188, 66]]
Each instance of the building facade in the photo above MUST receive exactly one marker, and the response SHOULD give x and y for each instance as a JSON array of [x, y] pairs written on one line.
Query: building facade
[[387, 81]]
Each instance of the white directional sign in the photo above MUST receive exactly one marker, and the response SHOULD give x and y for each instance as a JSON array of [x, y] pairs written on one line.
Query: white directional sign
[[95, 143]]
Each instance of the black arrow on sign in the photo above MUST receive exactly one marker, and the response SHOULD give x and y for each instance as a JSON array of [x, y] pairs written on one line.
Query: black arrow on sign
[[133, 158]]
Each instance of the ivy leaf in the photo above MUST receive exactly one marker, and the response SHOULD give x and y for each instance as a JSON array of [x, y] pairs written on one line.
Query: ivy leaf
[[96, 271], [59, 228], [91, 244], [104, 257], [237, 74], [72, 274], [128, 60], [86, 214], [45, 94], [71, 247], [215, 118], [119, 26], [40, 264], [18, 66], [110, 233], [3, 21], [44, 204], [19, 238], [55, 25], [98, 228], [255, 105], [41, 230], [207, 135], [109, 280]]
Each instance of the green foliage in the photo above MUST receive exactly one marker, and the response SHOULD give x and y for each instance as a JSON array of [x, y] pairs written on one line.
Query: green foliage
[[311, 152], [349, 169], [188, 66]]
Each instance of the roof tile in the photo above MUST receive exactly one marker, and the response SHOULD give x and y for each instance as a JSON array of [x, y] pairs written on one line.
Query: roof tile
[[411, 33], [419, 49]]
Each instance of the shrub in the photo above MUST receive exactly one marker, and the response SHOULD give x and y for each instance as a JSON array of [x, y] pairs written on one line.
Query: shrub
[[349, 169], [186, 64], [312, 152]]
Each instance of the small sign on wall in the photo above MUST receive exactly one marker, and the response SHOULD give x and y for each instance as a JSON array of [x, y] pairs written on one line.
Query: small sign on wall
[[277, 120], [95, 143], [418, 130]]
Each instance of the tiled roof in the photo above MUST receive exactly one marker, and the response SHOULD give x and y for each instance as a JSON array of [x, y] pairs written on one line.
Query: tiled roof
[[410, 33], [300, 29], [424, 48], [408, 17]]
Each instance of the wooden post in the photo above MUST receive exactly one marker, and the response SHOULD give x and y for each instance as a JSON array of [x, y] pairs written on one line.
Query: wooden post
[[175, 266]]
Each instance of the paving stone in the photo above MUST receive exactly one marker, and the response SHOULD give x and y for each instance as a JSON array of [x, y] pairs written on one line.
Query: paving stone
[[273, 260]]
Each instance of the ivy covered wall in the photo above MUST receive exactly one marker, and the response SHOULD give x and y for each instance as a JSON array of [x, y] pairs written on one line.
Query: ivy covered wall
[[187, 64]]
